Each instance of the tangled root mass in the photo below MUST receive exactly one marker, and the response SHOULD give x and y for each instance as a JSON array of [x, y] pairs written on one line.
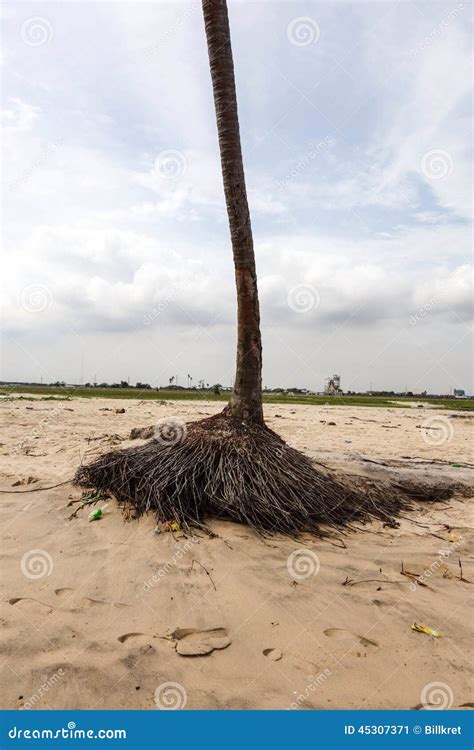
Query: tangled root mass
[[222, 467]]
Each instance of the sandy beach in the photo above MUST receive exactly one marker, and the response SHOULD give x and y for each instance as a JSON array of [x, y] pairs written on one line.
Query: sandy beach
[[90, 611]]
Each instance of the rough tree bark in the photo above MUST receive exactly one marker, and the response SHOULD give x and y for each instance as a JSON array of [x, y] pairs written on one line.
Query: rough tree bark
[[246, 400]]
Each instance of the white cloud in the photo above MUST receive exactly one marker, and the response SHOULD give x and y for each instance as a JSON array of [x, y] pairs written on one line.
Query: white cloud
[[111, 279], [19, 116], [111, 236]]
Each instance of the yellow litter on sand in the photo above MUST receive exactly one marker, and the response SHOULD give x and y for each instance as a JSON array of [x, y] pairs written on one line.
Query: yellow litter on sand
[[424, 629], [167, 526]]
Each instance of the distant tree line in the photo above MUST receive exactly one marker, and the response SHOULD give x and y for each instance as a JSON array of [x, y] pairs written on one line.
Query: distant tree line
[[217, 388]]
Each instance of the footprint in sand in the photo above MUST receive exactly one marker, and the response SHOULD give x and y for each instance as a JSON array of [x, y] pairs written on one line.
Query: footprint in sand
[[69, 593], [94, 602], [339, 634], [63, 592], [272, 653], [28, 599], [87, 600], [193, 642], [126, 636]]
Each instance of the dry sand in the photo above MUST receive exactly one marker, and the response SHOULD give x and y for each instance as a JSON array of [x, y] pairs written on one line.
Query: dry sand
[[86, 606]]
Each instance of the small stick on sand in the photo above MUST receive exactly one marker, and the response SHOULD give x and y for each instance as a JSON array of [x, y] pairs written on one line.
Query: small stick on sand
[[413, 577], [205, 569], [350, 582]]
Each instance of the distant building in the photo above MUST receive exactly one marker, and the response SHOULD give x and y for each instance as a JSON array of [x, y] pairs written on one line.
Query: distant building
[[332, 386]]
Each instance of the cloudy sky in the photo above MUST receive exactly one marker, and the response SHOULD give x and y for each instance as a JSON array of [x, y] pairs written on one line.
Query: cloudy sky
[[355, 124]]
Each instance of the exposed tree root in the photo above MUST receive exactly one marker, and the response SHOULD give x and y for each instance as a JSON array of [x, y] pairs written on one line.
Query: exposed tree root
[[222, 467]]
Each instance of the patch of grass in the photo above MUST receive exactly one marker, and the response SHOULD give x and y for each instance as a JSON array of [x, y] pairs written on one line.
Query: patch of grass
[[55, 398], [10, 397], [50, 393]]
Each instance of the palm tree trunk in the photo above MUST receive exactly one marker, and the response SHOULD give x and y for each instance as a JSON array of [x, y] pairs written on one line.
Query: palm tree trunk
[[246, 400]]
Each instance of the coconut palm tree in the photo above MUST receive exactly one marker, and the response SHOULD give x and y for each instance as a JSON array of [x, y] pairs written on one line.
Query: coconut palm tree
[[232, 464], [246, 400]]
